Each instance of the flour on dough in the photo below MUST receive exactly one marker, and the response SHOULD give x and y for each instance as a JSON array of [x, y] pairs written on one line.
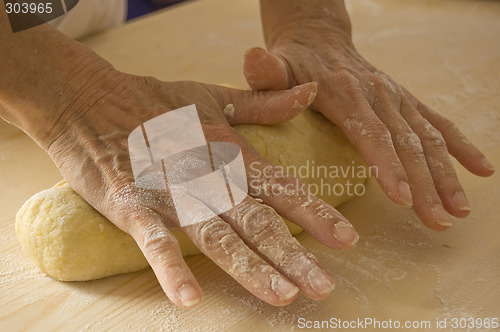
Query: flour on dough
[[70, 241]]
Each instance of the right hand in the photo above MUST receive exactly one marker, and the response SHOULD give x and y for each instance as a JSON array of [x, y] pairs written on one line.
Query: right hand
[[251, 242], [407, 143]]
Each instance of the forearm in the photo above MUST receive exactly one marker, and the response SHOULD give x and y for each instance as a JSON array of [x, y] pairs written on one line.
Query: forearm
[[46, 78], [281, 15]]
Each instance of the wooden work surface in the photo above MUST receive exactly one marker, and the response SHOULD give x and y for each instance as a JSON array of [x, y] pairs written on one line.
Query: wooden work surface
[[446, 52]]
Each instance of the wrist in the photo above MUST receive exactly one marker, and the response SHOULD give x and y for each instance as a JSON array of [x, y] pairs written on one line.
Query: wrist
[[286, 19], [46, 78]]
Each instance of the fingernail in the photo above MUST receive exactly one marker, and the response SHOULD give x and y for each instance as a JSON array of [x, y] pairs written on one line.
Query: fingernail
[[320, 282], [283, 288], [312, 95], [486, 163], [188, 295], [460, 201], [441, 217], [345, 233], [312, 87], [405, 193], [252, 49]]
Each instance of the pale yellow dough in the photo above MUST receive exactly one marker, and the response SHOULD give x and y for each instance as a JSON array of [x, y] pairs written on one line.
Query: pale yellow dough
[[71, 241]]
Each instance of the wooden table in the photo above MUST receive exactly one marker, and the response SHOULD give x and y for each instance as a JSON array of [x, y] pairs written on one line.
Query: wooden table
[[446, 52]]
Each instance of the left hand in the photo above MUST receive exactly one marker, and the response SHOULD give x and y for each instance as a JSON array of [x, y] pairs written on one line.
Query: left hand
[[407, 142]]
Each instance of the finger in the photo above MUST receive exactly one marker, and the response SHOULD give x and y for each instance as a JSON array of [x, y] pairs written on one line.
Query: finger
[[292, 200], [426, 202], [458, 145], [288, 196], [265, 232], [162, 251], [265, 71], [263, 107], [370, 137], [443, 173], [218, 241]]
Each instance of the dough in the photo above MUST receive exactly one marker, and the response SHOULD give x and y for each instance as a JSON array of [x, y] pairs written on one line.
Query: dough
[[70, 241]]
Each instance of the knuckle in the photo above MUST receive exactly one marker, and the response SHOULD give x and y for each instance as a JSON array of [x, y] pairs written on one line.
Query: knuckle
[[135, 203], [157, 245], [382, 82], [158, 242], [344, 76], [379, 81], [409, 141], [432, 136], [373, 130], [258, 221], [377, 132], [261, 229], [124, 204], [349, 84], [122, 196], [435, 165], [352, 123], [321, 210], [213, 234], [125, 201]]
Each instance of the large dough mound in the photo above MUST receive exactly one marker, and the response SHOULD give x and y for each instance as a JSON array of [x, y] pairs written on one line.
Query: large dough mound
[[69, 240]]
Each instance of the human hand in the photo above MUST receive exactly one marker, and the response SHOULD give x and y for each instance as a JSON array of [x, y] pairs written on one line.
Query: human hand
[[81, 110], [405, 141], [250, 242]]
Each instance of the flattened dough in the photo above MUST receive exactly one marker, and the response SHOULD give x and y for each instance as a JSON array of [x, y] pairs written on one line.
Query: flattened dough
[[70, 241]]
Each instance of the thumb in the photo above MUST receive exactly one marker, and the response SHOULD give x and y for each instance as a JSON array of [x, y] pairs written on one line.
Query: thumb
[[265, 71], [263, 107]]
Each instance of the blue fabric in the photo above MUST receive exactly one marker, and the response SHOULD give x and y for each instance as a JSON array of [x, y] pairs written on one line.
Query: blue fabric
[[138, 8]]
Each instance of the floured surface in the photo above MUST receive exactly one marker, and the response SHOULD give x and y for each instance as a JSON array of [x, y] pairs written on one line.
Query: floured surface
[[445, 52]]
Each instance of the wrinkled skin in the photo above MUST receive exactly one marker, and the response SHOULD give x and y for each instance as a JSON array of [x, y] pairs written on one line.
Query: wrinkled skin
[[250, 242], [81, 110], [407, 142]]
